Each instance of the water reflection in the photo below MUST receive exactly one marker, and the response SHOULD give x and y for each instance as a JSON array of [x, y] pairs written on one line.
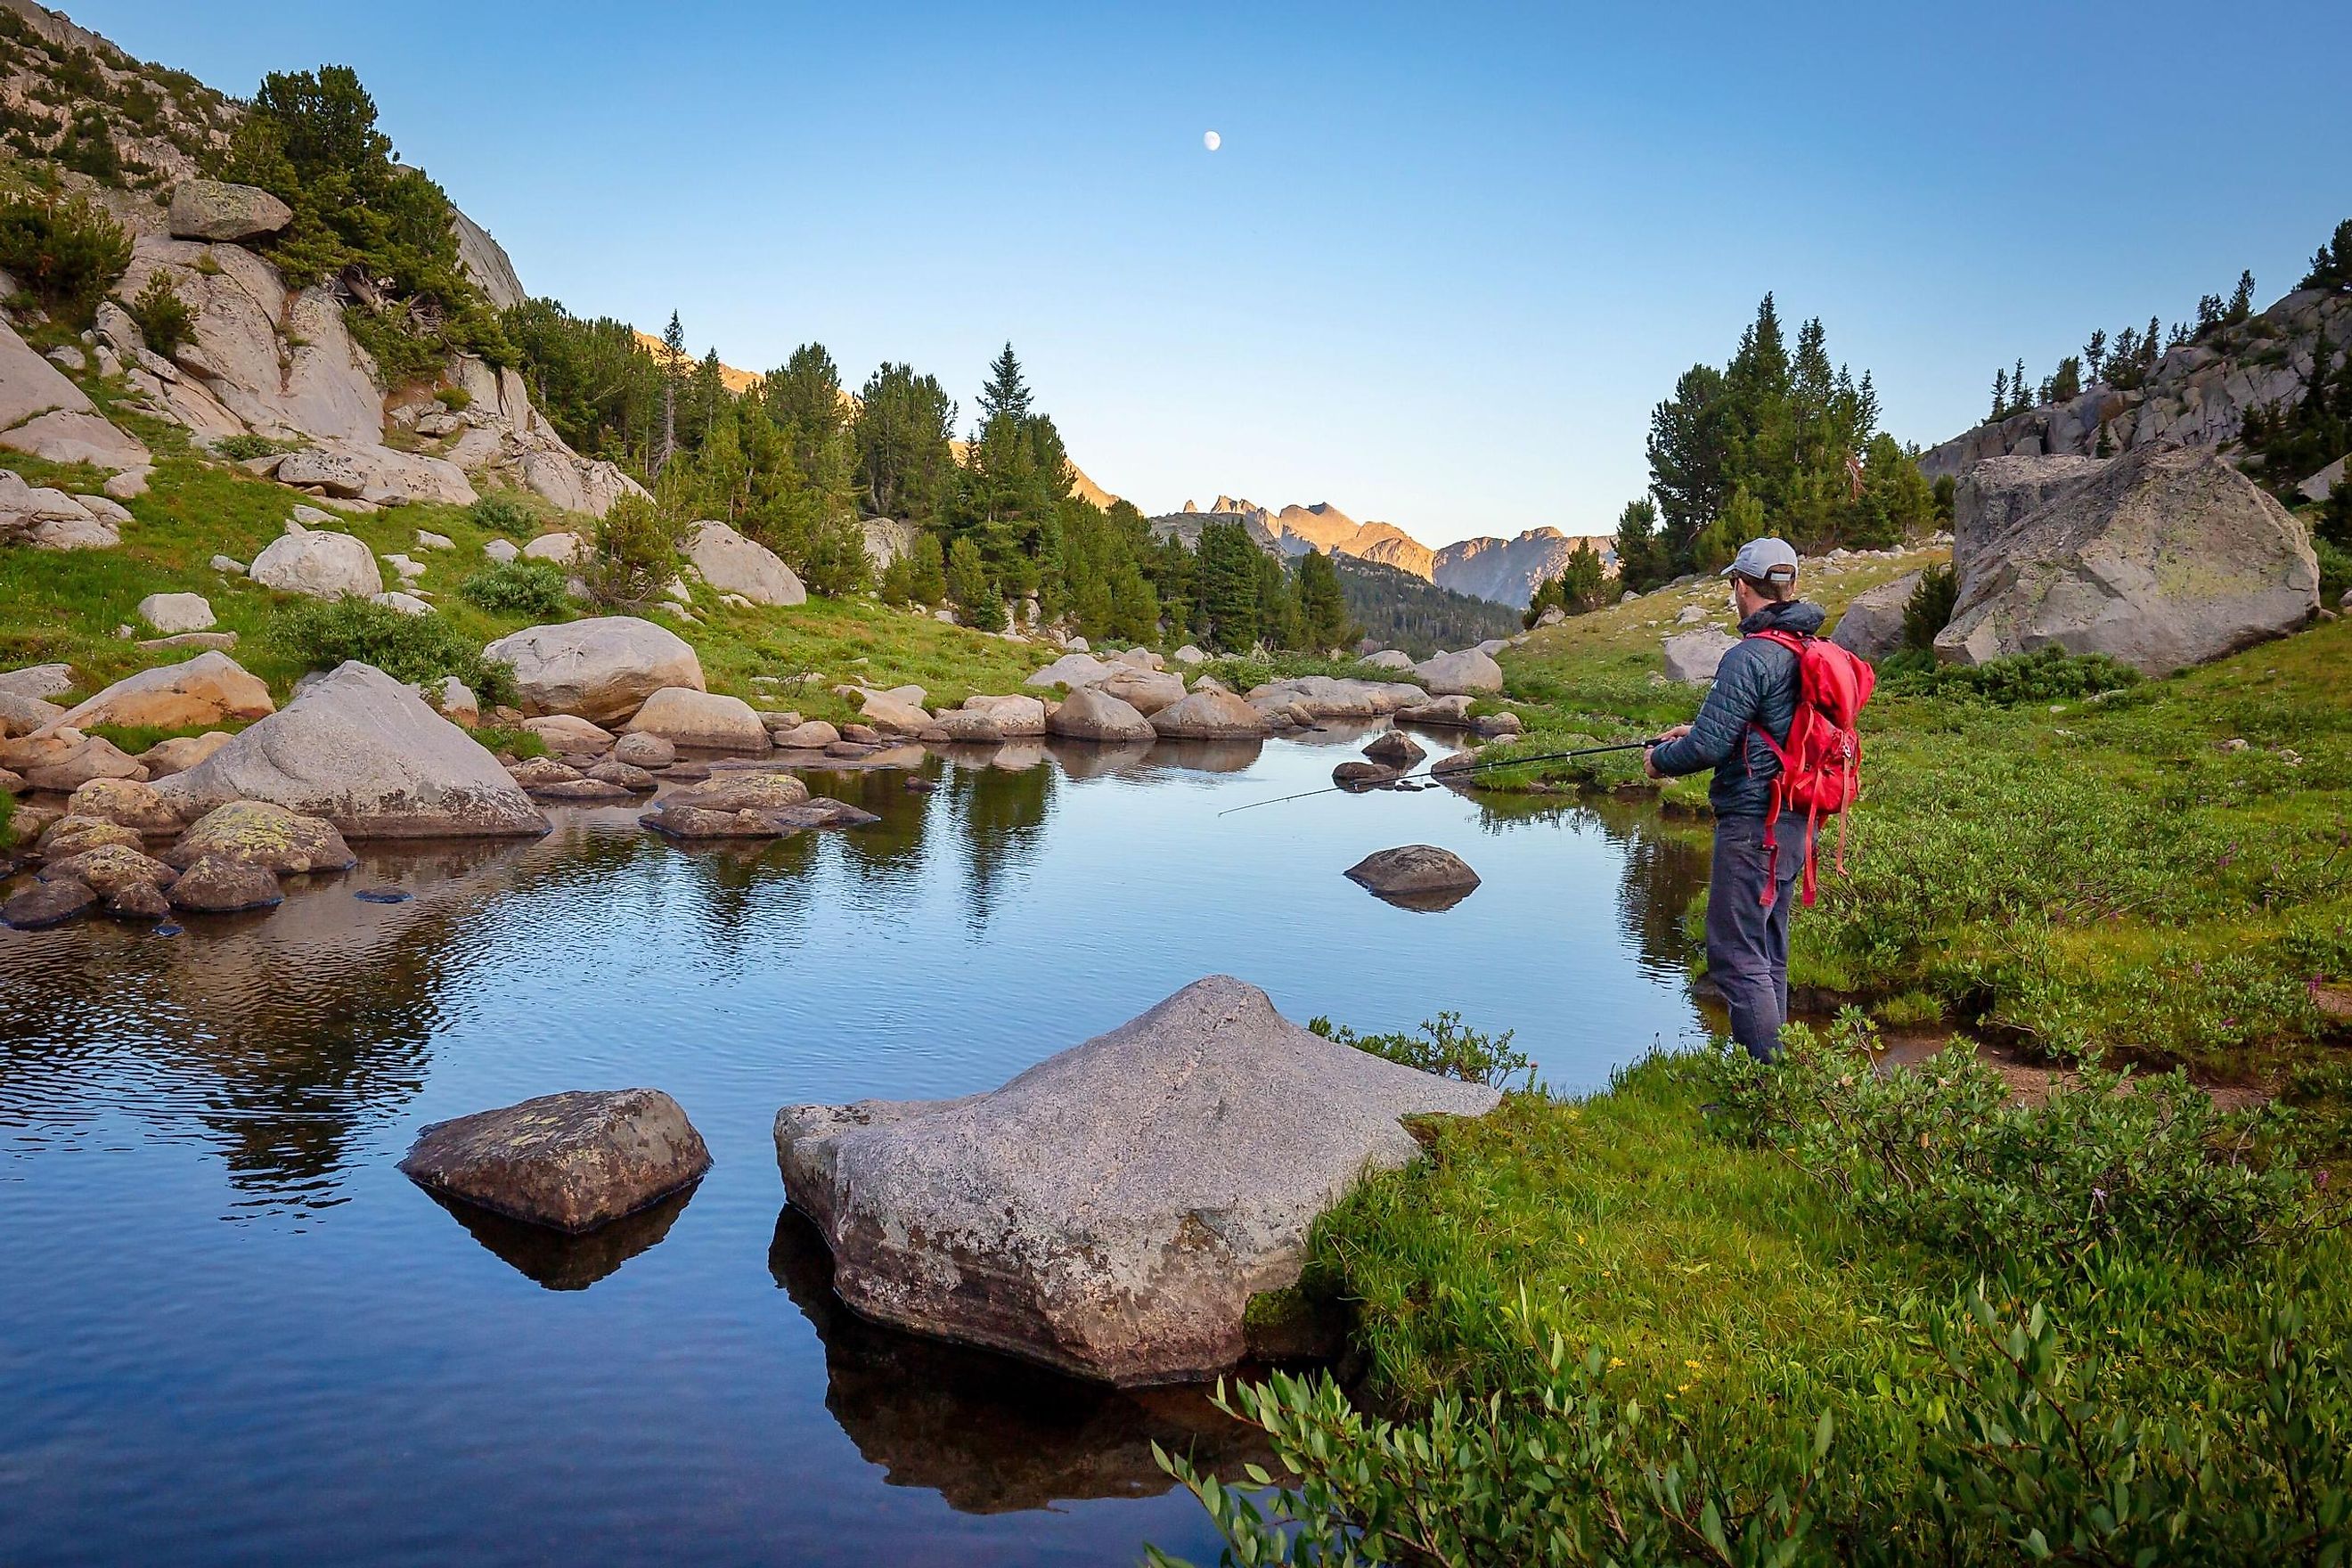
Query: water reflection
[[1000, 819], [553, 1258], [988, 1434]]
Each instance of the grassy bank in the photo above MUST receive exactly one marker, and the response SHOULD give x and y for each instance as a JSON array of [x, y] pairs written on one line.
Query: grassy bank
[[66, 606], [2155, 870]]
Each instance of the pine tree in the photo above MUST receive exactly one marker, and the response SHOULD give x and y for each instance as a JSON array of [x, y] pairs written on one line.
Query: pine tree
[[1226, 587], [902, 434], [1999, 395], [2017, 387], [927, 579], [2095, 354], [1006, 393], [1638, 567], [978, 603], [673, 368], [1322, 608]]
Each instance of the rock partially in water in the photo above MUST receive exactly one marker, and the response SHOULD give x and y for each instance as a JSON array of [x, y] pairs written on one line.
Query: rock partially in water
[[46, 904], [632, 780], [639, 750], [1111, 1211], [110, 869], [1394, 749], [255, 833], [1090, 713], [1208, 716], [570, 733], [138, 901], [220, 884], [571, 1162], [1413, 871], [988, 1433], [710, 721], [1354, 775]]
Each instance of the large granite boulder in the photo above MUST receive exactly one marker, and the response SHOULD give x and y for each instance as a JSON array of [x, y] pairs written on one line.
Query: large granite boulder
[[1111, 1211], [218, 885], [65, 759], [38, 680], [2163, 559], [172, 614], [23, 715], [1073, 670], [602, 669], [48, 518], [1333, 697], [319, 565], [1991, 496], [1090, 713], [365, 752], [206, 689], [364, 470], [1472, 671], [215, 209], [1872, 625], [734, 564], [571, 1162], [1691, 657], [43, 414], [1016, 718], [180, 753], [1208, 716], [708, 720]]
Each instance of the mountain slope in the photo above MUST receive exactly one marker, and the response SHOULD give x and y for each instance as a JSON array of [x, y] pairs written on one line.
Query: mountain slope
[[1398, 609], [1509, 571]]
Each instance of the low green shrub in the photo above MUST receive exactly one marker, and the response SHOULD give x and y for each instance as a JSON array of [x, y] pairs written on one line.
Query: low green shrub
[[633, 553], [2046, 675], [1945, 1155], [162, 316], [245, 447], [518, 587], [66, 251], [517, 743], [1443, 1047], [506, 513], [322, 634], [8, 810], [456, 399]]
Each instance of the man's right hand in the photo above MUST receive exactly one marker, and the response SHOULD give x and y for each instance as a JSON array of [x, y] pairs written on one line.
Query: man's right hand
[[1676, 733]]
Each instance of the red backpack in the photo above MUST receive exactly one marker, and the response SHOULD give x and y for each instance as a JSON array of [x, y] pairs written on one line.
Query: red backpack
[[1820, 766]]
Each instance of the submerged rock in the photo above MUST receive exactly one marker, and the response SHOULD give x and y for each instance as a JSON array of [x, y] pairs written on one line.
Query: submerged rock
[[571, 1162], [111, 867], [46, 904], [1112, 1210]]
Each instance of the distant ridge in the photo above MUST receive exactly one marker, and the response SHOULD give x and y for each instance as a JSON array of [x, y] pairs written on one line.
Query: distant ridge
[[1506, 571]]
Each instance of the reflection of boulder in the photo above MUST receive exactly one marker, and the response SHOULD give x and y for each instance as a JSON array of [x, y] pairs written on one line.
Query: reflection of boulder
[[562, 1262], [1207, 757], [988, 1434]]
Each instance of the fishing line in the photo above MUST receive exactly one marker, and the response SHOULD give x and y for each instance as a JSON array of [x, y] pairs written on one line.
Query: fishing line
[[1436, 775]]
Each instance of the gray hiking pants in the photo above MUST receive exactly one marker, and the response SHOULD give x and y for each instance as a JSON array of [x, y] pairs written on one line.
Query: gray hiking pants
[[1748, 943]]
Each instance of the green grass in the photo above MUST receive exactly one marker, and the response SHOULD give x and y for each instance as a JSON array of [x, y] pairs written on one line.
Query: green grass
[[66, 606]]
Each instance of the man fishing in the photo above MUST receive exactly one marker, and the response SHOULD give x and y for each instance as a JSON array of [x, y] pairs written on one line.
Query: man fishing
[[1742, 732]]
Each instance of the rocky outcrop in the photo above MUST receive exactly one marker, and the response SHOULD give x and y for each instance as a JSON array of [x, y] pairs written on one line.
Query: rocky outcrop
[[571, 1162], [2197, 395], [602, 669], [1871, 627], [319, 565], [49, 519], [363, 751], [485, 261], [209, 688], [48, 416], [734, 564], [1111, 1211], [2167, 557], [886, 541], [215, 209], [1509, 571]]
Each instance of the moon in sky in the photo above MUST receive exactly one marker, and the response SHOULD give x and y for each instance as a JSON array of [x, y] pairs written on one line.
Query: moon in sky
[[1212, 141]]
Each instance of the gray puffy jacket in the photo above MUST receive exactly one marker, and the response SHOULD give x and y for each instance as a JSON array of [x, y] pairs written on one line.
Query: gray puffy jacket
[[1755, 684]]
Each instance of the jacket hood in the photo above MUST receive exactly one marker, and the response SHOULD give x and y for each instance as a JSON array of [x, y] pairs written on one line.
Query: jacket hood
[[1798, 616]]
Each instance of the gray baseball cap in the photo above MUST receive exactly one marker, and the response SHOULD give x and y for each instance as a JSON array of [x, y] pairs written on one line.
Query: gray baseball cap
[[1765, 559]]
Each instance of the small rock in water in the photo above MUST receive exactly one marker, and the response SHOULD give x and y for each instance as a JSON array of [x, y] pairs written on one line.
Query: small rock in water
[[1356, 775], [1394, 749], [46, 904], [1421, 873], [920, 787], [384, 895], [571, 1162], [220, 883]]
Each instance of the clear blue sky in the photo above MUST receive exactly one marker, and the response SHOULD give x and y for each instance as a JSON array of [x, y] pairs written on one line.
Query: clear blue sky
[[1448, 259]]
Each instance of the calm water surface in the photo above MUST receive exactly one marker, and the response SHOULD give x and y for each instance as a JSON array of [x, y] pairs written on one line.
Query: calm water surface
[[231, 1332]]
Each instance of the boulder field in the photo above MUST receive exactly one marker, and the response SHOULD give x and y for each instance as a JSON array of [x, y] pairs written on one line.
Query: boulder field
[[1111, 1211]]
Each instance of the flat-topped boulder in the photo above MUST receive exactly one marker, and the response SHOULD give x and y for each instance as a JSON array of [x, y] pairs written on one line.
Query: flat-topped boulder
[[1412, 870], [1111, 1211], [172, 614], [365, 752], [602, 669], [571, 1162], [2164, 558], [1145, 690], [209, 688], [1691, 657], [128, 802], [1073, 670]]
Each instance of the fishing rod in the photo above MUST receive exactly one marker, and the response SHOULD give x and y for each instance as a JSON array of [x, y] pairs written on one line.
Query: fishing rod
[[1435, 773]]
